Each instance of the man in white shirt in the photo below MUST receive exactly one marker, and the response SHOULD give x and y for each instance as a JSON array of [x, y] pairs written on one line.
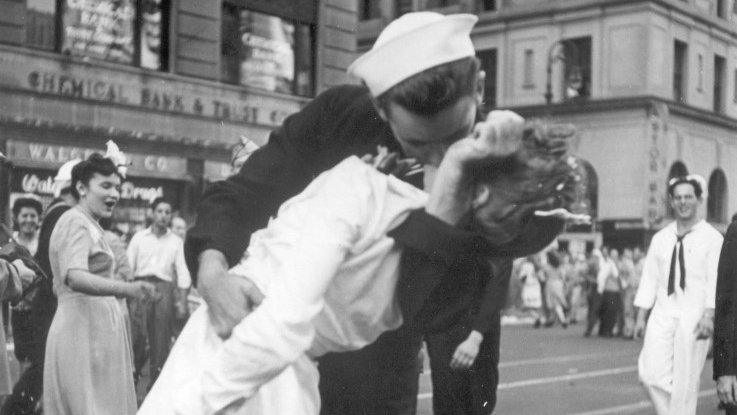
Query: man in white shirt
[[156, 255], [679, 285]]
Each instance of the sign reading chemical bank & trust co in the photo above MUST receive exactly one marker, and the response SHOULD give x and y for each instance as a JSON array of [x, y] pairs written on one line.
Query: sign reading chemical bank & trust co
[[53, 156], [150, 91]]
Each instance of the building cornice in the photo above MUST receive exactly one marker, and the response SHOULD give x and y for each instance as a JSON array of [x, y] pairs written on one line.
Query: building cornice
[[622, 104], [552, 11], [30, 129]]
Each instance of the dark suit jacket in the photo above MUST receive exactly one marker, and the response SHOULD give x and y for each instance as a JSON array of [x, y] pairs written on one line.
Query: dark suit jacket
[[725, 316]]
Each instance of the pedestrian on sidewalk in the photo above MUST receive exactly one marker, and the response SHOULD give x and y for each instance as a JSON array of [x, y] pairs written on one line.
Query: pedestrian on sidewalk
[[532, 293], [609, 287], [593, 298], [678, 287], [156, 256], [555, 290], [88, 368], [27, 392], [633, 267]]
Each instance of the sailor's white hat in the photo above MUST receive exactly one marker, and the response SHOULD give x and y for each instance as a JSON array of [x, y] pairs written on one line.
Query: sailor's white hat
[[411, 44]]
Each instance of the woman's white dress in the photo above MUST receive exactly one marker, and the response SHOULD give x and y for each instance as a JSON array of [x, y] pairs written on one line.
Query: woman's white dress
[[328, 271]]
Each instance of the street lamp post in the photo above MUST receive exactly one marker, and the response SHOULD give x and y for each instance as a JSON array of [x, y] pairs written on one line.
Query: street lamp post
[[557, 52]]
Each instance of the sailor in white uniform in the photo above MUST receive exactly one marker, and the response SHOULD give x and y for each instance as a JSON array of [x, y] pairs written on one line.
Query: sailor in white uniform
[[678, 285]]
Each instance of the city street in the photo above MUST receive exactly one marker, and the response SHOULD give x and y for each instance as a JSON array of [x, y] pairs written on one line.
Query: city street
[[555, 371]]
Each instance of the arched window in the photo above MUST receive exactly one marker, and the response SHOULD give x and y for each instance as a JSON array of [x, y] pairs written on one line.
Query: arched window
[[678, 169], [716, 201], [588, 192]]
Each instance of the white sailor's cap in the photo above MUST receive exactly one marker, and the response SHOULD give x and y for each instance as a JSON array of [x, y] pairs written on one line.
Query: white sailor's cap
[[411, 44]]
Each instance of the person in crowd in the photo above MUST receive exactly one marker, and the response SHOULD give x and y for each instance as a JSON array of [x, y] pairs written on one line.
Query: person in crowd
[[156, 256], [725, 328], [88, 368], [27, 218], [631, 280], [593, 298], [577, 287], [179, 227], [678, 287], [610, 289], [555, 289], [122, 271], [14, 275], [625, 267], [331, 291], [27, 392], [422, 91], [532, 290]]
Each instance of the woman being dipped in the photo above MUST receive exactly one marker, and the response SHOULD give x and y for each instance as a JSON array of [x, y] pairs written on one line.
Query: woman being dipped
[[88, 368]]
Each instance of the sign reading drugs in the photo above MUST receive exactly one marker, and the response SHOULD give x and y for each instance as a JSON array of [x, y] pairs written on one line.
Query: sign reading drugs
[[99, 29]]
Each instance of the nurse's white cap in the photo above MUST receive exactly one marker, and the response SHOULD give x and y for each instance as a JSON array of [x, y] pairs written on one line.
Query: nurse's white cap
[[411, 44]]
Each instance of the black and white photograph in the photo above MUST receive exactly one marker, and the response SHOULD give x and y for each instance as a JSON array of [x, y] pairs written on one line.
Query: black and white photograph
[[368, 207]]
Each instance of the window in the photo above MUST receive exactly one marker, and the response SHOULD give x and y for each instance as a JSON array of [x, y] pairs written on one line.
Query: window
[[719, 67], [369, 10], [529, 67], [131, 32], [577, 73], [436, 4], [716, 200], [679, 71], [40, 31], [488, 65], [404, 6], [488, 5], [266, 52], [720, 8]]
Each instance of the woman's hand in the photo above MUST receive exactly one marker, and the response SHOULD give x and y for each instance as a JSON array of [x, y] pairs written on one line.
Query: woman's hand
[[26, 274], [499, 136], [142, 290]]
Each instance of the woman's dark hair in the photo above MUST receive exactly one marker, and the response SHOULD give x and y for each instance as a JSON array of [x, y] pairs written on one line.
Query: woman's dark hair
[[84, 170], [435, 89], [24, 202]]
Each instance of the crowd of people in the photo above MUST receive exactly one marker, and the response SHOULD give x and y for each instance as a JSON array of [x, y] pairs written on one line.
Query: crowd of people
[[123, 300], [323, 266], [594, 288]]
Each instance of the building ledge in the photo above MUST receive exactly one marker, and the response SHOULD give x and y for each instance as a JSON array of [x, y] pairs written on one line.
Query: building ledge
[[529, 9], [628, 103], [63, 132]]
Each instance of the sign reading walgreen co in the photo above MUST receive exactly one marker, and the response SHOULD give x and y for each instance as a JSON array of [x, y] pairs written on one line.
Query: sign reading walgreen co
[[151, 92], [52, 156]]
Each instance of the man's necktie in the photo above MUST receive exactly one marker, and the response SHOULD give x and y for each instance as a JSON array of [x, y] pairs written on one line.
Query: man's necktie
[[681, 265]]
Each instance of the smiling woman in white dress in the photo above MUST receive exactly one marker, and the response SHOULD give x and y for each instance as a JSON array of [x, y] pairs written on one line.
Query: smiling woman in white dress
[[87, 369]]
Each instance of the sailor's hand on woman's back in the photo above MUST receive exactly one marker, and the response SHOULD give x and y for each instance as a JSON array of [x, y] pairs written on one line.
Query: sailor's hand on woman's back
[[229, 297]]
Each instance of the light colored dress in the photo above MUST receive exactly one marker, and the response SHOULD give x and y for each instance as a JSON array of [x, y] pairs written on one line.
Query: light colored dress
[[88, 369], [328, 271]]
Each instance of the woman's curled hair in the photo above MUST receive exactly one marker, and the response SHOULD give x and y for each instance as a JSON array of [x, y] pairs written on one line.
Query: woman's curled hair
[[84, 170]]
